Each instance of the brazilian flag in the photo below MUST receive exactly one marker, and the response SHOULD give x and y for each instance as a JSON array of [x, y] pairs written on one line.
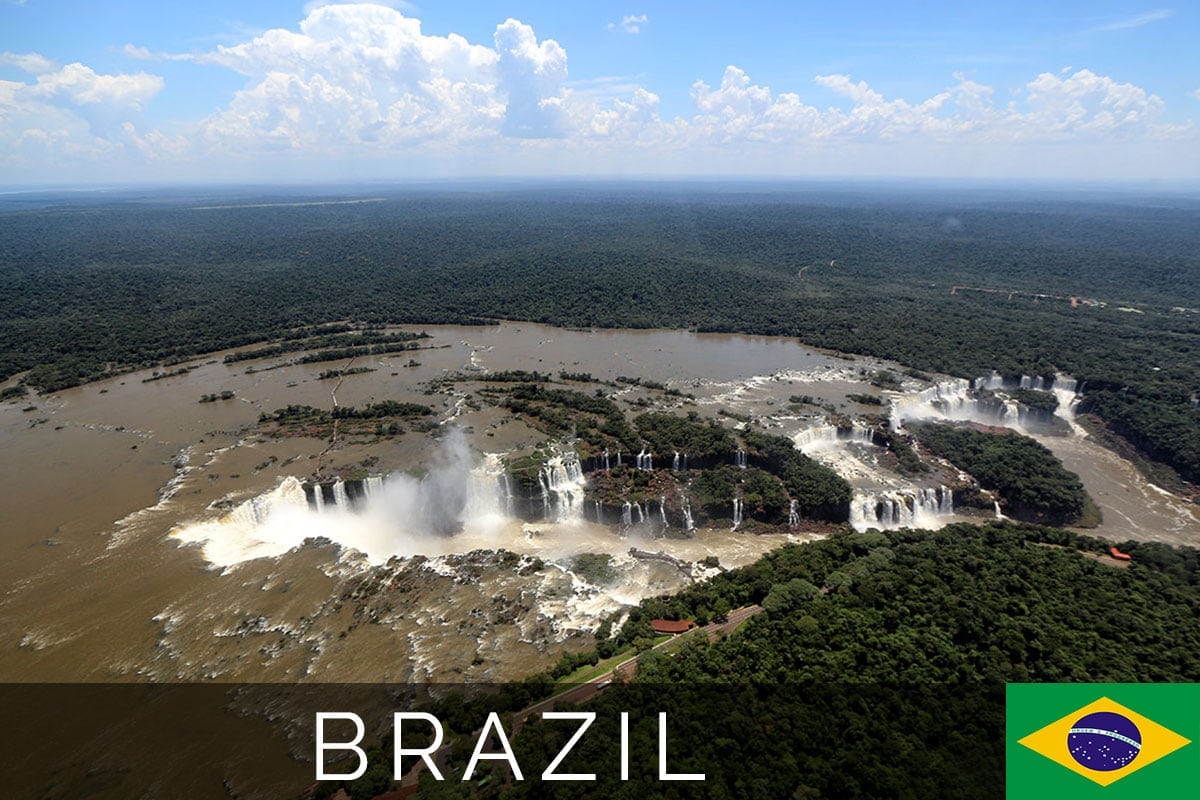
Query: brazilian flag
[[1117, 741]]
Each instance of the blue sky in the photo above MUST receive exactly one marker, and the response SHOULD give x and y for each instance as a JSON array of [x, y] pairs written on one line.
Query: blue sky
[[111, 91]]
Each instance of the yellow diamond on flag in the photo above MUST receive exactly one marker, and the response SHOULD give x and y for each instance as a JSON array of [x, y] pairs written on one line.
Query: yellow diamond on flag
[[1104, 741]]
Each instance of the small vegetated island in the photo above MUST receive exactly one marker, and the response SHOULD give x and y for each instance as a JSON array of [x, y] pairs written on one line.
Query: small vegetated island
[[1031, 481]]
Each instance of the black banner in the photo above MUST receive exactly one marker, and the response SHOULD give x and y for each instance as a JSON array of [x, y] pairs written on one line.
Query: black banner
[[597, 740]]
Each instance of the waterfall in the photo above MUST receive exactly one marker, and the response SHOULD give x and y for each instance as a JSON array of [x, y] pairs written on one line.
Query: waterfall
[[741, 459], [816, 438], [599, 513], [995, 382], [627, 514], [685, 462], [508, 495], [996, 506], [641, 517], [1065, 389], [862, 434], [645, 461], [618, 458], [402, 517], [688, 523], [956, 400], [256, 510], [942, 399], [1064, 382], [794, 513], [737, 513], [662, 511], [488, 493], [992, 382], [562, 482], [606, 460], [821, 437], [340, 498], [266, 525], [675, 462], [373, 485], [900, 508]]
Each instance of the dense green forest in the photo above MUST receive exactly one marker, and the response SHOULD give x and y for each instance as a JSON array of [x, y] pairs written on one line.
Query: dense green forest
[[1000, 602], [117, 281], [876, 669], [821, 491], [1032, 483]]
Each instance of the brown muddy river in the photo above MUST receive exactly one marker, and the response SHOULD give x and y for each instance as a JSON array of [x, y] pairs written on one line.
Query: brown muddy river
[[116, 565]]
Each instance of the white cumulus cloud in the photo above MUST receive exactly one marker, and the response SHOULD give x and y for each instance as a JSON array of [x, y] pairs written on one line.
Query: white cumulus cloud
[[1087, 103], [80, 85], [68, 114], [1051, 108], [532, 75], [400, 5], [367, 75], [33, 63]]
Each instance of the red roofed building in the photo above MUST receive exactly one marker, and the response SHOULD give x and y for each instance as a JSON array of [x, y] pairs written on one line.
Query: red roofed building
[[672, 626]]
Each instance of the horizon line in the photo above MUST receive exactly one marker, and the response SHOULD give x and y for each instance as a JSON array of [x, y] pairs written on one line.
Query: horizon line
[[1166, 184]]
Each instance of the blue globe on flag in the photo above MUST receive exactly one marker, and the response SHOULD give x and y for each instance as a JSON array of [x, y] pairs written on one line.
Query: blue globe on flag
[[1104, 741]]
